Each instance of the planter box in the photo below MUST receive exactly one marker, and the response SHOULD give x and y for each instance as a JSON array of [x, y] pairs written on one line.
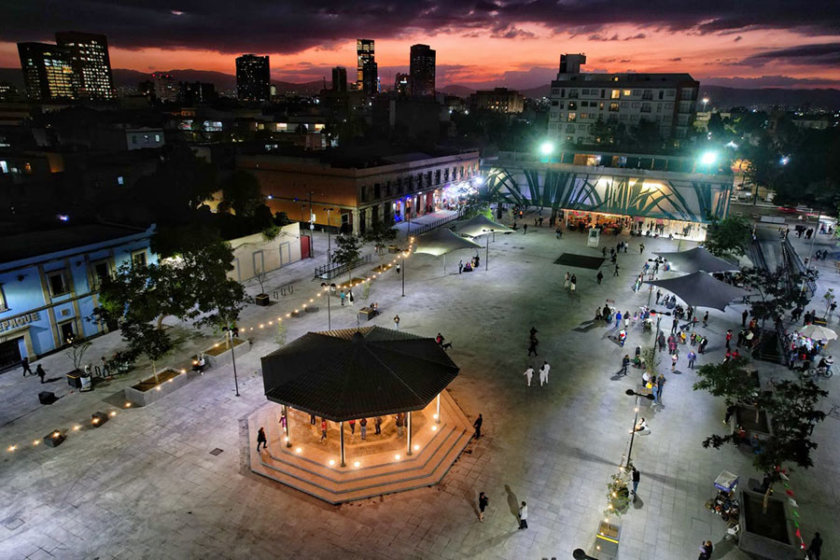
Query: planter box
[[262, 299], [220, 355], [171, 380], [54, 438], [607, 539], [745, 417], [767, 535]]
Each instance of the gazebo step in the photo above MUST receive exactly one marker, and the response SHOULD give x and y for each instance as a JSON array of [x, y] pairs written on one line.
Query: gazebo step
[[357, 489], [334, 484]]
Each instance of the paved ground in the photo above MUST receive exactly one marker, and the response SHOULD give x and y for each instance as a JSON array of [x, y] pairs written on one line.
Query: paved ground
[[145, 485]]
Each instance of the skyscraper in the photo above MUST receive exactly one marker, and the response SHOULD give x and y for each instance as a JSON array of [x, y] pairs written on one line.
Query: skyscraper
[[47, 72], [253, 78], [367, 72], [339, 79], [422, 71], [91, 63], [401, 84], [166, 88]]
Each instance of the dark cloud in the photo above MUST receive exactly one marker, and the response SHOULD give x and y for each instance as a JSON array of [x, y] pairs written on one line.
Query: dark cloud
[[821, 54], [738, 38], [597, 37], [768, 81], [291, 26], [675, 59], [636, 36]]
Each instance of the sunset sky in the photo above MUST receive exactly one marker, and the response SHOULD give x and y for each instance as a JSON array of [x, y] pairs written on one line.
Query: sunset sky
[[479, 43]]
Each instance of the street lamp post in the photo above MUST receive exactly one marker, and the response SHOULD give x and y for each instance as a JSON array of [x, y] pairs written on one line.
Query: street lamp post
[[329, 245], [403, 274], [229, 336], [631, 393], [311, 228]]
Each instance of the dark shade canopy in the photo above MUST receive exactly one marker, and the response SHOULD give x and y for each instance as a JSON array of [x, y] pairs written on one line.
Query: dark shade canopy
[[442, 241], [481, 225], [697, 259], [357, 373], [699, 289]]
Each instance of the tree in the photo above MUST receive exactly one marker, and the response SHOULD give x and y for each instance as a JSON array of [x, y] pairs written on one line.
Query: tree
[[78, 348], [729, 237], [242, 191], [347, 251], [730, 380], [380, 234], [145, 339], [778, 291]]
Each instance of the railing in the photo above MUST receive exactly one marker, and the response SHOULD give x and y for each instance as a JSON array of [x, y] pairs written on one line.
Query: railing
[[420, 229], [793, 263], [332, 270]]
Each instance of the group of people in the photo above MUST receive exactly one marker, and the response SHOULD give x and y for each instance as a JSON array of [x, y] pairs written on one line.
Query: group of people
[[544, 369], [570, 282]]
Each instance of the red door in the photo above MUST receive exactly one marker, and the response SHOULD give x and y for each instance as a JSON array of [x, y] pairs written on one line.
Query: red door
[[304, 246]]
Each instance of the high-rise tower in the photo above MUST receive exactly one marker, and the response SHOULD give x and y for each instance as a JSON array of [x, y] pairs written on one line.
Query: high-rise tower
[[91, 63], [422, 71], [253, 78], [47, 72], [367, 73]]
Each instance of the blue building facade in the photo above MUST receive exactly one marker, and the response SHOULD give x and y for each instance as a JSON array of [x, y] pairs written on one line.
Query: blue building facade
[[49, 282]]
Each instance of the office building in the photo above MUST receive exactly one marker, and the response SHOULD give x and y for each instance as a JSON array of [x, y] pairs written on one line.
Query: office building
[[47, 72], [580, 100], [499, 100], [253, 78], [422, 71], [194, 93], [367, 72], [339, 79], [166, 88], [91, 64], [401, 84]]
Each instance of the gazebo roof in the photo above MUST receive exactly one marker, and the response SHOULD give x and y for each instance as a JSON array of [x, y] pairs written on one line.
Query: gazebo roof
[[442, 241], [702, 290], [697, 259], [356, 373], [481, 225]]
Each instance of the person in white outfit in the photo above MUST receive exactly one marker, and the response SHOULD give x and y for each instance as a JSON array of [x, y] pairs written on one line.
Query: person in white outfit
[[529, 373], [544, 373]]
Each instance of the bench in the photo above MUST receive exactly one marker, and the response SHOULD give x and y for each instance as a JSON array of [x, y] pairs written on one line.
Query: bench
[[367, 313]]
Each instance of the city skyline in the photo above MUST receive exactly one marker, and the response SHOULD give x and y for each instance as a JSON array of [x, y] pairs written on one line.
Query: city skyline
[[478, 43]]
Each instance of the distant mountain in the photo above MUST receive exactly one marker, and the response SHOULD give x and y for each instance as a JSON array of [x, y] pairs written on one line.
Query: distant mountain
[[459, 91], [537, 92], [724, 98], [124, 78]]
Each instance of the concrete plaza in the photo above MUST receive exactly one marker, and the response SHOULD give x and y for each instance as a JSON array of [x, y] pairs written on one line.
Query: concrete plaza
[[145, 484]]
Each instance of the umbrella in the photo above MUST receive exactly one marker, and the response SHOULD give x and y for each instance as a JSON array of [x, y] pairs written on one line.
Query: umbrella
[[442, 241], [699, 289], [698, 259], [818, 332], [480, 225]]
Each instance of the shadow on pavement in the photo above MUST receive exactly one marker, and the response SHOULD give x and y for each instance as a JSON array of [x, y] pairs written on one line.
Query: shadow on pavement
[[722, 548], [513, 502]]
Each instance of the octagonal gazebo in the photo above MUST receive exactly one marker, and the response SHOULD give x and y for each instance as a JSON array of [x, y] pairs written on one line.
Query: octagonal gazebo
[[351, 374]]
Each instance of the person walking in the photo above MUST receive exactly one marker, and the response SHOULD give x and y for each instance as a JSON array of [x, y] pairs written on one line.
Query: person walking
[[342, 296], [573, 284], [658, 295], [615, 273], [675, 324], [654, 390], [706, 319], [397, 322], [637, 476], [363, 427], [323, 430], [728, 339], [625, 363], [461, 266], [674, 357], [529, 373], [261, 439], [691, 358], [477, 425], [482, 505], [617, 319], [567, 280], [24, 363], [599, 276], [524, 229], [744, 316], [39, 371], [706, 550], [815, 548], [377, 425], [532, 346], [523, 516], [544, 373], [641, 248], [352, 427]]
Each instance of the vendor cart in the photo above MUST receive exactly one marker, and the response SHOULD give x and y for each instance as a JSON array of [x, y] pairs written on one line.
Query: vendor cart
[[725, 503]]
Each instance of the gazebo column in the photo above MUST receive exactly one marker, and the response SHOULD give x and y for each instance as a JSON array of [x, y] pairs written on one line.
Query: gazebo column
[[341, 440], [408, 432], [286, 425], [437, 414]]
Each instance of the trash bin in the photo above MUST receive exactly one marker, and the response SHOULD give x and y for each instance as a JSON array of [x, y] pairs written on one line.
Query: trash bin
[[606, 541], [74, 379]]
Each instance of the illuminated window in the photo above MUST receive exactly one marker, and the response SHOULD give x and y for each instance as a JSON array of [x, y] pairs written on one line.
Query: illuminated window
[[627, 93], [572, 117], [139, 258], [615, 94], [614, 107]]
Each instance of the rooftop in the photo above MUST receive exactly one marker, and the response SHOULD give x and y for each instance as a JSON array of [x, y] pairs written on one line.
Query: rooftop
[[37, 243]]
